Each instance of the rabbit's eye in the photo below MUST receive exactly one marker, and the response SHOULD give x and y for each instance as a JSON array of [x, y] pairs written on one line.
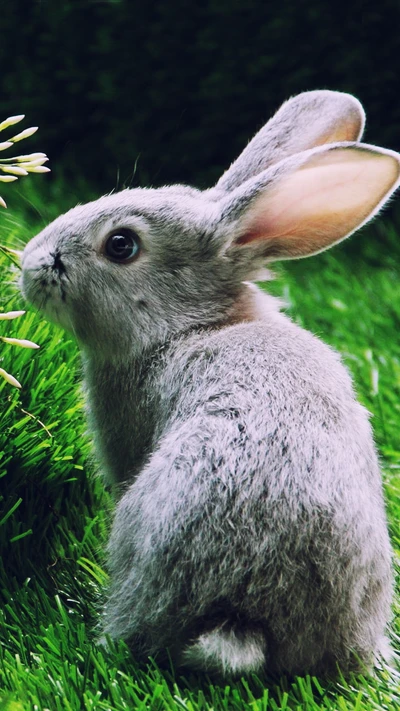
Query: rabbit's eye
[[122, 246]]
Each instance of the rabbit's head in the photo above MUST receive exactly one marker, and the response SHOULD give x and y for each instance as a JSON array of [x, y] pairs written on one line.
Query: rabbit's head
[[141, 265]]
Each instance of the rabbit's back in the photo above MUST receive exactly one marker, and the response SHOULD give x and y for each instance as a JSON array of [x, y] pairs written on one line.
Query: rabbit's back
[[282, 395], [261, 506]]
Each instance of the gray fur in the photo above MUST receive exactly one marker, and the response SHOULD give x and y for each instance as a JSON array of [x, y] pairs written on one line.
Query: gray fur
[[250, 530]]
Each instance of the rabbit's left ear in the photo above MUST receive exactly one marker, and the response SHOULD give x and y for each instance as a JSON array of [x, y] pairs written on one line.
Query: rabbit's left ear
[[311, 119], [303, 209]]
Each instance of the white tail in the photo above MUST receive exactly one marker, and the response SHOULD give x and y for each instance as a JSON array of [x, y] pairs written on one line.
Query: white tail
[[226, 651]]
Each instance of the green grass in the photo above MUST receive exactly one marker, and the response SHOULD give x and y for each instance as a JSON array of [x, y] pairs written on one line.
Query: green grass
[[55, 514]]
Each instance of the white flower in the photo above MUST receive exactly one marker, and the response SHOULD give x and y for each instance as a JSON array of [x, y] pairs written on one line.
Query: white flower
[[10, 378], [13, 168], [21, 342]]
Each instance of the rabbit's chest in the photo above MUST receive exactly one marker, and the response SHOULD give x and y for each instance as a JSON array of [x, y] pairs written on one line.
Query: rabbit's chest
[[121, 421]]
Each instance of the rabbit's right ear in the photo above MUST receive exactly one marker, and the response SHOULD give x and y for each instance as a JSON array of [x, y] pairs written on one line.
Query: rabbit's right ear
[[308, 120], [308, 202]]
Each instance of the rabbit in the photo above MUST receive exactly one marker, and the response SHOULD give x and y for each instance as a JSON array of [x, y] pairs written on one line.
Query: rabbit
[[249, 534]]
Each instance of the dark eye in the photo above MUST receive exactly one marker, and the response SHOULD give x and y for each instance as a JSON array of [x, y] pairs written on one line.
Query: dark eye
[[122, 246]]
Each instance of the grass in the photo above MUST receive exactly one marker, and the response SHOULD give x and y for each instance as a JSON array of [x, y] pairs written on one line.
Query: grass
[[55, 514]]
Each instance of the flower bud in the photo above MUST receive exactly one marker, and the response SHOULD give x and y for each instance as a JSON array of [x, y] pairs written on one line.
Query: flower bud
[[13, 169], [31, 156], [24, 134], [10, 378], [21, 342], [11, 121], [30, 163], [9, 315], [36, 168]]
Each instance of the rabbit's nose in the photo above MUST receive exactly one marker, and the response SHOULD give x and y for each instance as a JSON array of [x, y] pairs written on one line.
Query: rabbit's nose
[[58, 264]]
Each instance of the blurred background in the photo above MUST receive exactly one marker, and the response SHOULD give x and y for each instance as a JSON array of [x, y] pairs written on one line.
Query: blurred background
[[139, 92]]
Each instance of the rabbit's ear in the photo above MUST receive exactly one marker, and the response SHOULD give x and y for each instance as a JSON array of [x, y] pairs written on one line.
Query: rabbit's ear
[[305, 208], [308, 120]]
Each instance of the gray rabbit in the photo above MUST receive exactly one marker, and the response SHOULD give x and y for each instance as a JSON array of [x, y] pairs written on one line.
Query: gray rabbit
[[250, 530]]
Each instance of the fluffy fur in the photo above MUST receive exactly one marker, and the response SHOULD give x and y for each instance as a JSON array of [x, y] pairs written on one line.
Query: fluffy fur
[[250, 530]]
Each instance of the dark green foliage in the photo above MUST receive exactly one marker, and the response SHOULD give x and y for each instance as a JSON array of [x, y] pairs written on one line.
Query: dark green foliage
[[138, 92]]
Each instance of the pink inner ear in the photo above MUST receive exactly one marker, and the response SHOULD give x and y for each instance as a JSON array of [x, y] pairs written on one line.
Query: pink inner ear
[[320, 203], [348, 130]]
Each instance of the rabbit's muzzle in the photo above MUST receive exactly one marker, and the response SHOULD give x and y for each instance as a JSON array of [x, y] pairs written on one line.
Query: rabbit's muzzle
[[44, 282]]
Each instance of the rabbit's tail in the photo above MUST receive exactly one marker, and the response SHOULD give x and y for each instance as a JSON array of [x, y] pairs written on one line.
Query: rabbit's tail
[[227, 651]]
